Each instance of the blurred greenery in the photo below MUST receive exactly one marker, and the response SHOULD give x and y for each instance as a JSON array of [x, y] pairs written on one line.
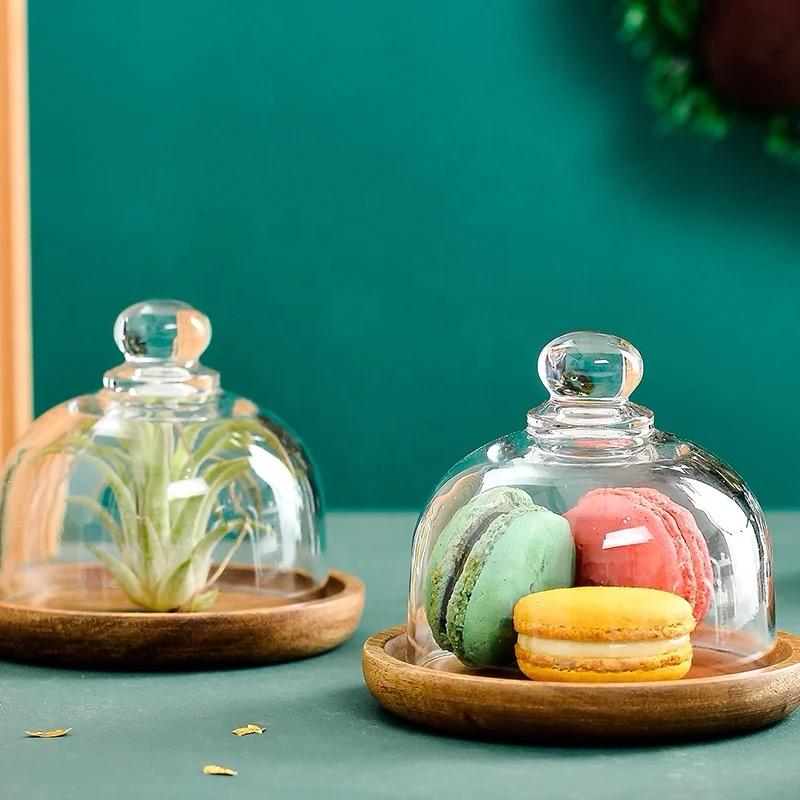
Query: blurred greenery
[[387, 209], [665, 33]]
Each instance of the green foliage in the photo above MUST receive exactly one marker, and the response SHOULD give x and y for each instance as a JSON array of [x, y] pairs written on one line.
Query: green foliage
[[164, 538], [664, 32], [783, 137]]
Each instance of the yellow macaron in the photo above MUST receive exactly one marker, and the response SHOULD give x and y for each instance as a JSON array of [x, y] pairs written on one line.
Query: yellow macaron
[[599, 634]]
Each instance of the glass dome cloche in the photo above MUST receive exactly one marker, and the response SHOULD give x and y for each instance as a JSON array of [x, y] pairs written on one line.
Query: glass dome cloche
[[160, 492], [639, 555]]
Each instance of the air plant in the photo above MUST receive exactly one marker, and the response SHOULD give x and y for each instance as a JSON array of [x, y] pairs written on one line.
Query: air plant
[[170, 495]]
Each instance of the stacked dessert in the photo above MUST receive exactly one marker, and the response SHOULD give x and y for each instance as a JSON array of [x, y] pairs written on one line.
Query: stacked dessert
[[610, 591]]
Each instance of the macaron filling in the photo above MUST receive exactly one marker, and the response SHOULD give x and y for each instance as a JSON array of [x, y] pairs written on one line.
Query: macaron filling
[[467, 545], [577, 649]]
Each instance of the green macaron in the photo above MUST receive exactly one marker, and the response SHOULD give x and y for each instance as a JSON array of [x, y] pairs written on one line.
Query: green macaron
[[496, 549]]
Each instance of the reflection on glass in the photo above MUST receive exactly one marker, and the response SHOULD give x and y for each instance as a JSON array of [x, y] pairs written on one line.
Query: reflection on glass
[[160, 492], [642, 508]]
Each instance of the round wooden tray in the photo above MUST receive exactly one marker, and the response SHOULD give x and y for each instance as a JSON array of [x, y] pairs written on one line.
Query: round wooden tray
[[66, 629], [514, 708]]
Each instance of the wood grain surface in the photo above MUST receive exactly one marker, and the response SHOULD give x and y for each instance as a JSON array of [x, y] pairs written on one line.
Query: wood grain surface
[[499, 707], [242, 633], [15, 335]]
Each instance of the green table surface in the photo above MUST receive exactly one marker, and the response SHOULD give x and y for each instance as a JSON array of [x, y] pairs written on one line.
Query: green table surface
[[141, 735]]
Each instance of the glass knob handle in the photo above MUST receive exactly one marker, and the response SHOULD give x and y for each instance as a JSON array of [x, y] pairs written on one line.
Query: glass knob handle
[[588, 365], [162, 330]]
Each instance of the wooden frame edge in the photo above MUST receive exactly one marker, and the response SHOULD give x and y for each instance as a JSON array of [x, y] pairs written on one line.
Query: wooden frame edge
[[15, 282]]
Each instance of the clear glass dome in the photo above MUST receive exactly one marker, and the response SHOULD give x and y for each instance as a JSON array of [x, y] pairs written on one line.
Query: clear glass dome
[[590, 493], [160, 492]]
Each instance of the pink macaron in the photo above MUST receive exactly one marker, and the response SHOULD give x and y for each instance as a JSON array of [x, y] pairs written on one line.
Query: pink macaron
[[641, 537]]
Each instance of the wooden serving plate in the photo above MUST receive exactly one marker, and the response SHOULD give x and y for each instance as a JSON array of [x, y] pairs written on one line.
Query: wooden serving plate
[[515, 708], [93, 626]]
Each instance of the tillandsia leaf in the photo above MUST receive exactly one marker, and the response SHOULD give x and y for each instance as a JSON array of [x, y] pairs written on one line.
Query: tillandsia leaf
[[217, 478], [180, 463], [106, 453], [253, 519], [112, 454], [253, 491], [249, 506], [157, 485], [221, 567], [278, 448], [164, 536], [155, 557], [184, 445], [85, 446], [188, 511], [191, 433], [126, 504], [201, 601], [203, 551], [214, 441], [239, 433], [205, 547], [122, 574], [71, 440], [185, 512], [178, 588], [191, 575], [103, 515], [139, 454], [249, 516]]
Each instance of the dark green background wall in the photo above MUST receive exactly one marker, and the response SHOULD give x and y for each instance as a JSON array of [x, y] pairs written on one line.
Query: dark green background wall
[[386, 208]]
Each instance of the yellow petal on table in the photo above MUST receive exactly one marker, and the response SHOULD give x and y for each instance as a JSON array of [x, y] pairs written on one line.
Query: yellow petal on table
[[214, 769], [246, 730], [54, 734]]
